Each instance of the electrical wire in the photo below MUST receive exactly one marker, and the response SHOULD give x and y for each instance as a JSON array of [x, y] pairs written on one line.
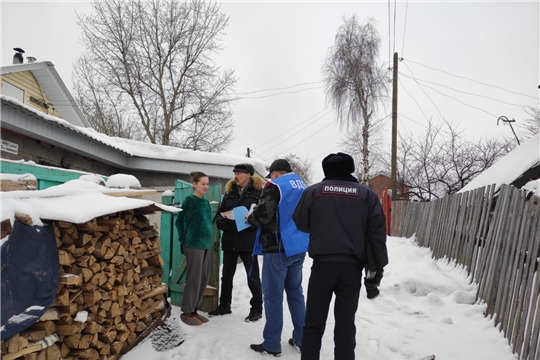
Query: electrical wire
[[404, 29], [283, 88], [451, 97], [394, 46], [414, 121], [298, 143], [466, 78], [326, 152], [442, 116], [292, 135], [311, 117], [463, 92], [412, 97], [389, 36], [281, 93]]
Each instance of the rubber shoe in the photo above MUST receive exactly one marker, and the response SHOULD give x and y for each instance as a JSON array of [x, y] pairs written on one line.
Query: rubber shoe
[[296, 347], [202, 319], [190, 320], [253, 316], [261, 350], [220, 310]]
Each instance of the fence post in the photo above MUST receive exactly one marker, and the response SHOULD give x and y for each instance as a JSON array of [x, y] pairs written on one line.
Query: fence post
[[387, 209], [166, 236]]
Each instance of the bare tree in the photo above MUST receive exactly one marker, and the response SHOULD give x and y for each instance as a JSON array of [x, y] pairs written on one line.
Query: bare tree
[[302, 167], [441, 161], [532, 125], [354, 81], [352, 144], [149, 63]]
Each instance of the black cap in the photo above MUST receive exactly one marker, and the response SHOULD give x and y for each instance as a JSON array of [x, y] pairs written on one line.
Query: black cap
[[338, 164], [279, 165], [244, 168]]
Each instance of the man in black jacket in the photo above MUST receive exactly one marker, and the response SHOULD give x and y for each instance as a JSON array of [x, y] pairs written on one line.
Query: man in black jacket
[[341, 216], [243, 190]]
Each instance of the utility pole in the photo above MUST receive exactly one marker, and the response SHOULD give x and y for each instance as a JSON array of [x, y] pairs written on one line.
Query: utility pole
[[248, 153], [394, 125]]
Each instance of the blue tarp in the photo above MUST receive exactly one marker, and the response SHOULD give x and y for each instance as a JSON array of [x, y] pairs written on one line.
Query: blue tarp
[[30, 274]]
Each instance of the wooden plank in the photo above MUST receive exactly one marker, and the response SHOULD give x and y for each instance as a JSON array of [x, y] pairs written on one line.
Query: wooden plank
[[517, 278], [507, 244], [529, 270]]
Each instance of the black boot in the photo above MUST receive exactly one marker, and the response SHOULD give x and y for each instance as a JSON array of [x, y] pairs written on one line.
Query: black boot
[[220, 310]]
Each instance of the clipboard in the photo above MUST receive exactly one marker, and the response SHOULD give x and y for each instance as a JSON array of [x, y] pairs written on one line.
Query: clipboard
[[240, 213]]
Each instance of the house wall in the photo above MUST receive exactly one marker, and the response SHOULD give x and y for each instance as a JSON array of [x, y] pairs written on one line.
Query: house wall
[[379, 182], [46, 154], [42, 153], [25, 81]]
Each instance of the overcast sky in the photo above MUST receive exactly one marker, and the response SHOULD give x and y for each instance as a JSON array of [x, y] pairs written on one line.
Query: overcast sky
[[474, 61]]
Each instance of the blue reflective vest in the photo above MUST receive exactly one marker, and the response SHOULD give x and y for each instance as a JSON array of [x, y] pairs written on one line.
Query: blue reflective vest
[[294, 241]]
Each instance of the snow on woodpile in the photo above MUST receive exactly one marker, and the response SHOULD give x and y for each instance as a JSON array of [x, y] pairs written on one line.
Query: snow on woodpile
[[110, 290]]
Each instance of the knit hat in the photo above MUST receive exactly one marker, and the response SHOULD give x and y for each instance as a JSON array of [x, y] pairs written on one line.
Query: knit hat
[[338, 164], [244, 168], [279, 165]]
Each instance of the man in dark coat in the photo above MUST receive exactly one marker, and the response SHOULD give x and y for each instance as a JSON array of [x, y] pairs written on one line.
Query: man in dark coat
[[243, 190], [341, 217]]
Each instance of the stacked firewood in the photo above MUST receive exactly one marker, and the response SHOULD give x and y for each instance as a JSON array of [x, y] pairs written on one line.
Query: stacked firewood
[[110, 291]]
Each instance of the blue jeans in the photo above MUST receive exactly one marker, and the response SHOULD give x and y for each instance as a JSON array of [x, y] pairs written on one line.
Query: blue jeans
[[282, 273]]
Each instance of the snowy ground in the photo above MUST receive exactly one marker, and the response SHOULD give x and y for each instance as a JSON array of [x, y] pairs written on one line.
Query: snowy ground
[[426, 307]]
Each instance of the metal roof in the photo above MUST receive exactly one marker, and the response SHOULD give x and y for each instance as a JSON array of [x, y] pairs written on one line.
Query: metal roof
[[24, 120]]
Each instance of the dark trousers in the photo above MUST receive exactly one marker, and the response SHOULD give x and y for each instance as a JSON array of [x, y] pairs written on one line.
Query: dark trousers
[[343, 279], [230, 262]]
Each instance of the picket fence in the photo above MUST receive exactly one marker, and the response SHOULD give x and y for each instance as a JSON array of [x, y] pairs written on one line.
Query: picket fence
[[496, 237]]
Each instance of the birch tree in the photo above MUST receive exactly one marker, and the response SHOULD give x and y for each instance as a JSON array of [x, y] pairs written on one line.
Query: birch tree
[[355, 83]]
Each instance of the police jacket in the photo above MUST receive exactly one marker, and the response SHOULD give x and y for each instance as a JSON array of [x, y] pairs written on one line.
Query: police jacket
[[232, 239], [340, 215]]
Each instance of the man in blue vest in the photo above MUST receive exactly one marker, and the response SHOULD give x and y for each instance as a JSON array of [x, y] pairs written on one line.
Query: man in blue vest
[[284, 248]]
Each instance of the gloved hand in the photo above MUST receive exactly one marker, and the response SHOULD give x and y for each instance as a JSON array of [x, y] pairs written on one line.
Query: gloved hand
[[373, 284], [223, 223]]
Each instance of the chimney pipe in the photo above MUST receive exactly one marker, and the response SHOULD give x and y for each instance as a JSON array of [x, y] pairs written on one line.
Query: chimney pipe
[[18, 58], [31, 59]]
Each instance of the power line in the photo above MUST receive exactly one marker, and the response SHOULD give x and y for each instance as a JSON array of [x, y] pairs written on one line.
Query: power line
[[292, 135], [463, 92], [425, 93], [311, 117], [451, 97], [326, 152], [478, 82], [394, 46], [404, 29], [389, 36], [298, 143], [283, 88], [281, 93], [412, 97], [414, 121]]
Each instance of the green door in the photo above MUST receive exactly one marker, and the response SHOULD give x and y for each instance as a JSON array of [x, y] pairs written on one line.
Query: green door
[[174, 270]]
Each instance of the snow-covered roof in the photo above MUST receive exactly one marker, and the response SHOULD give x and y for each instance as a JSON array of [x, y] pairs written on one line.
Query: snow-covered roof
[[515, 168], [51, 83], [115, 151]]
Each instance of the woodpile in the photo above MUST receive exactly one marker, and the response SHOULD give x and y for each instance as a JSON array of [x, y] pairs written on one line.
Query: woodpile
[[110, 291]]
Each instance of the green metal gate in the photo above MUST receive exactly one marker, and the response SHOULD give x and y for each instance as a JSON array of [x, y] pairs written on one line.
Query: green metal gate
[[174, 270]]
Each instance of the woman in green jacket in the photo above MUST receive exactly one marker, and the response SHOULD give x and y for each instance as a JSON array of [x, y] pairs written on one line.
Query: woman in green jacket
[[194, 226]]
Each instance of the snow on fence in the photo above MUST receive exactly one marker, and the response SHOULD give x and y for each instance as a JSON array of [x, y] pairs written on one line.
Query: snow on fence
[[497, 238]]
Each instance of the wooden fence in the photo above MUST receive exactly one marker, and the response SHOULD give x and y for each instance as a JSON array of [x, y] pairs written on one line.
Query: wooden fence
[[497, 238]]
